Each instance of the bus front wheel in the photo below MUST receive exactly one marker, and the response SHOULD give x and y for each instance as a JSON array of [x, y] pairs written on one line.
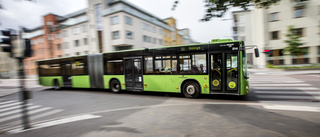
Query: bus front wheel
[[191, 89], [115, 86]]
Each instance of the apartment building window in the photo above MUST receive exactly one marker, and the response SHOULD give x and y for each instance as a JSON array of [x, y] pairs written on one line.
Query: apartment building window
[[154, 41], [98, 13], [117, 48], [153, 29], [298, 12], [299, 31], [146, 39], [40, 40], [66, 55], [65, 33], [273, 16], [114, 20], [160, 32], [75, 30], [160, 41], [77, 53], [84, 28], [59, 46], [143, 26], [115, 35], [33, 42], [274, 35], [58, 35], [241, 29], [129, 34], [128, 20], [76, 43], [86, 52], [85, 41]]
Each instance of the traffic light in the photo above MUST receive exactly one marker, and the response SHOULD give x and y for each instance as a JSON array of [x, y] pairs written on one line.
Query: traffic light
[[267, 51], [6, 39], [28, 51]]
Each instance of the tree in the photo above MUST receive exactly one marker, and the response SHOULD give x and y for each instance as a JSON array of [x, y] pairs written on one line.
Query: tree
[[217, 8], [294, 42]]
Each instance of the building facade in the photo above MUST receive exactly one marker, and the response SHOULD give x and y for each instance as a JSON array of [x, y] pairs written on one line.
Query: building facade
[[267, 28], [106, 25]]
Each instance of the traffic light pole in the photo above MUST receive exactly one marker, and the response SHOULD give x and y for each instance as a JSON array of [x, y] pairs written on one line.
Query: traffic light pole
[[23, 97]]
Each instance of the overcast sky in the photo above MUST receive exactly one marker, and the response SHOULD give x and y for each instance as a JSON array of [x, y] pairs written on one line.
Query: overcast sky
[[188, 13]]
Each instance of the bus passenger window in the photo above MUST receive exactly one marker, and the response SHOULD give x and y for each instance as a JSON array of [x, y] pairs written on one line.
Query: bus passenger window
[[193, 64]]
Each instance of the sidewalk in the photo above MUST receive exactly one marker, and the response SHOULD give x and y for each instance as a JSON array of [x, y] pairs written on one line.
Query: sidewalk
[[11, 86]]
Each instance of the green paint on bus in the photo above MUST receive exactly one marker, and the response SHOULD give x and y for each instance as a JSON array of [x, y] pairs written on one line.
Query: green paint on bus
[[173, 83], [82, 81], [48, 80]]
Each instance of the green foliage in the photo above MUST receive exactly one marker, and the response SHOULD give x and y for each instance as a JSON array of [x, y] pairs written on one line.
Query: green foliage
[[217, 8], [313, 66], [293, 41]]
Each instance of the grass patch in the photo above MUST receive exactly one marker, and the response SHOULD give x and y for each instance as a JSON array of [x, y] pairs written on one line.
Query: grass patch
[[312, 66]]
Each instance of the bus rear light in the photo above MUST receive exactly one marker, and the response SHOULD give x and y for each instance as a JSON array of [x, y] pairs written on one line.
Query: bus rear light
[[205, 86], [122, 84], [177, 87], [145, 85], [247, 91]]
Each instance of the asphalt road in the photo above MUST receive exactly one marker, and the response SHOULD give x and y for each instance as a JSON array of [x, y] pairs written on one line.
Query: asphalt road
[[86, 113]]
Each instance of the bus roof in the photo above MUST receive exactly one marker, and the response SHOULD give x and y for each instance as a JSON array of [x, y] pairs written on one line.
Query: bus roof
[[214, 41]]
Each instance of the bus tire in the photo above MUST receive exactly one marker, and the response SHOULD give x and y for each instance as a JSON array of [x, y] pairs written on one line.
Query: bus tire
[[191, 89], [56, 85], [115, 86]]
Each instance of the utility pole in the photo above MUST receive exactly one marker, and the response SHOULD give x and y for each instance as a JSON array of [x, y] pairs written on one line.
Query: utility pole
[[19, 49], [24, 95]]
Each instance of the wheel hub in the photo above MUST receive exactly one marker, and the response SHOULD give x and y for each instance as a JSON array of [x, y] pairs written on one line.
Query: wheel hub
[[190, 89]]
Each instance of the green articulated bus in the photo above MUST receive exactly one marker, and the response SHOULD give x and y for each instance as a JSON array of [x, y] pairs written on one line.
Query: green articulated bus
[[218, 67]]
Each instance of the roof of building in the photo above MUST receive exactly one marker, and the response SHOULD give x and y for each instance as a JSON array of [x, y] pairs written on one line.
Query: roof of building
[[135, 11]]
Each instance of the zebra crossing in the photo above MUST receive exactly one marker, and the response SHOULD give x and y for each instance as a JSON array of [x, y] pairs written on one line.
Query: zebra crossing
[[10, 113], [275, 88]]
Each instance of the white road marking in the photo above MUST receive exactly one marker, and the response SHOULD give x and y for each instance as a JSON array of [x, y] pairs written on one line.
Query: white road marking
[[292, 108], [56, 122], [8, 102], [273, 81], [19, 115], [17, 111], [279, 85], [10, 108], [15, 123], [287, 97], [286, 88], [12, 104], [287, 92]]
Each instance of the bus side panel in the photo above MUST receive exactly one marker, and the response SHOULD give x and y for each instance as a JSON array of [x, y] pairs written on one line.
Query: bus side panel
[[107, 78], [81, 81], [155, 83], [172, 83], [48, 80]]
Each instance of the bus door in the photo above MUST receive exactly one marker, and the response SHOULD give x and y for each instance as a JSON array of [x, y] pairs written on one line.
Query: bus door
[[133, 74], [224, 73], [66, 73]]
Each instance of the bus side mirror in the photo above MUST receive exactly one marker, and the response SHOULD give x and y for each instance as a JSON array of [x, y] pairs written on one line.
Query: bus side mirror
[[256, 52]]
